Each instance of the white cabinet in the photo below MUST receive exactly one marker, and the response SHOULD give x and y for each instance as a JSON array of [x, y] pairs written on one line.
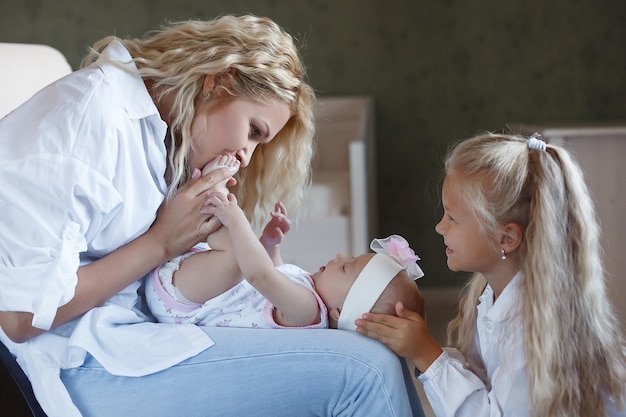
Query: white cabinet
[[339, 213]]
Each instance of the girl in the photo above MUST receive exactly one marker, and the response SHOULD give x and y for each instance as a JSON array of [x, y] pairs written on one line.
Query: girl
[[536, 332]]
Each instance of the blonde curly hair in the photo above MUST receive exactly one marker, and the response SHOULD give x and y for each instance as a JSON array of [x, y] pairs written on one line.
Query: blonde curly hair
[[267, 66], [572, 339]]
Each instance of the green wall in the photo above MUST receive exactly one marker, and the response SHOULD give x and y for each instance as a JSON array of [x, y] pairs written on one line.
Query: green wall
[[439, 70]]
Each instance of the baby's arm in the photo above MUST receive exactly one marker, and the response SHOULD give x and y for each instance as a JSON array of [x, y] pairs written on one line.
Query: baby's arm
[[275, 231], [295, 304]]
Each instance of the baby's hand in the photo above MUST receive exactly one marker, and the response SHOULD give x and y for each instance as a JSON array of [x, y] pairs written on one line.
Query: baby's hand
[[276, 229], [224, 207]]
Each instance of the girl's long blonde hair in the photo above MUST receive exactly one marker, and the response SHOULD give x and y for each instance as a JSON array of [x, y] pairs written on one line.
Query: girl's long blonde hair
[[572, 339], [268, 66]]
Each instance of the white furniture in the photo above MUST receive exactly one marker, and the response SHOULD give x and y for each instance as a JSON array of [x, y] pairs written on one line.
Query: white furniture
[[339, 214], [26, 69], [601, 152]]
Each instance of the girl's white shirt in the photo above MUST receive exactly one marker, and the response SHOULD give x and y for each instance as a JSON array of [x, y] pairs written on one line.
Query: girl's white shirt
[[82, 168], [492, 380]]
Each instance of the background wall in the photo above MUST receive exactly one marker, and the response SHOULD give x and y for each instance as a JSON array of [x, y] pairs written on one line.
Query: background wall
[[439, 71]]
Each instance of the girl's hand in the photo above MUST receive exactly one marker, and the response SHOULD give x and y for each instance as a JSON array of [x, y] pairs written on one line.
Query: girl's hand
[[180, 222], [407, 335], [276, 229]]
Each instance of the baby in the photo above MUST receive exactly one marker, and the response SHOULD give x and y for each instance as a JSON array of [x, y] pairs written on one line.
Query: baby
[[241, 280]]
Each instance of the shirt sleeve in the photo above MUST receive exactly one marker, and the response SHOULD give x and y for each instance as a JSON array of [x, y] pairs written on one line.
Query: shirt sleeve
[[454, 390], [49, 202]]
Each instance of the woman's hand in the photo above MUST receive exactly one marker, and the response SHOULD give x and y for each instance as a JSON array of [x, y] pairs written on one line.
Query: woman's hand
[[407, 335], [181, 222]]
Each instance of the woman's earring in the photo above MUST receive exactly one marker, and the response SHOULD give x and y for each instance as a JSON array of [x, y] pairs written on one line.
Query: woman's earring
[[206, 96], [503, 254]]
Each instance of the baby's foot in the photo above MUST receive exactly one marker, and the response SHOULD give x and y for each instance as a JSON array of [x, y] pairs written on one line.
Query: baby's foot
[[222, 161]]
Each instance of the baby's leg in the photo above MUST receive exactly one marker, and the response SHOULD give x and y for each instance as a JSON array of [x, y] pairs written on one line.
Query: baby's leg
[[222, 161], [205, 275]]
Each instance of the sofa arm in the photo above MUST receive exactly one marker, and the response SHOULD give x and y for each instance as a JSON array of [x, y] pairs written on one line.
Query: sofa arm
[[26, 69]]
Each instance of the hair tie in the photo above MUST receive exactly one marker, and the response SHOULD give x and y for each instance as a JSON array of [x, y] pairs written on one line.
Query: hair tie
[[393, 254], [536, 142]]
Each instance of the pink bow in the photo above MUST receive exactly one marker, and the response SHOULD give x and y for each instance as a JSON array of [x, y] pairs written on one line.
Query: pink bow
[[397, 248]]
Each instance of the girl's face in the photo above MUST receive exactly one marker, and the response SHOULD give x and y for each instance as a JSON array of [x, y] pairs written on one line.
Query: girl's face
[[468, 247], [333, 281], [225, 125]]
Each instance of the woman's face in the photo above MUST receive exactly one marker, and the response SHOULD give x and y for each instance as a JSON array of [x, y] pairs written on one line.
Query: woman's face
[[226, 125]]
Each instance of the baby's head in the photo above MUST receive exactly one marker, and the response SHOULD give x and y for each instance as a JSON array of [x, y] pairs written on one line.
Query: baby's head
[[371, 282], [401, 288]]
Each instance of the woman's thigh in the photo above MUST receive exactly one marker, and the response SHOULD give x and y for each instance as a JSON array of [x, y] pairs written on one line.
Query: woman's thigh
[[258, 372]]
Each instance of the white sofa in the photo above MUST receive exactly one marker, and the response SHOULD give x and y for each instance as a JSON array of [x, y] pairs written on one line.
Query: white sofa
[[26, 69]]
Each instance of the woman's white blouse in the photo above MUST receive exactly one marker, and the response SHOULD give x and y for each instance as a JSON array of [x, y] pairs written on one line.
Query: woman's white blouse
[[81, 174]]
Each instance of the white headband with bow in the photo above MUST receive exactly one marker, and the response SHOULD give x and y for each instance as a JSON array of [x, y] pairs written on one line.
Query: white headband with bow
[[393, 254]]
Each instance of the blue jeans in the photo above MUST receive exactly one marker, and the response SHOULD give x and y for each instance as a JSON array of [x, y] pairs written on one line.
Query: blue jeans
[[258, 372]]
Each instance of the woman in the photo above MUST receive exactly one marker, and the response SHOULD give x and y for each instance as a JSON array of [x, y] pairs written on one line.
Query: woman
[[102, 181]]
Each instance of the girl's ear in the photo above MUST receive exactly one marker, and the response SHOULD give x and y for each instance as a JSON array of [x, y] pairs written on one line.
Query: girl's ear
[[512, 237], [208, 84]]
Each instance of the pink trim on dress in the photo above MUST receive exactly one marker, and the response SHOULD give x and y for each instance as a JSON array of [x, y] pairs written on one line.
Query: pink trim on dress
[[166, 298]]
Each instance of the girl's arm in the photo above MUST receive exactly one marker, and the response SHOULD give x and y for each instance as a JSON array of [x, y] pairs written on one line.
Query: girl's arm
[[407, 335], [295, 304], [179, 225], [450, 382]]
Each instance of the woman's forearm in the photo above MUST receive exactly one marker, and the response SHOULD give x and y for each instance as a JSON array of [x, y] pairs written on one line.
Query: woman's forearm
[[179, 225], [102, 279], [16, 325], [97, 282]]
